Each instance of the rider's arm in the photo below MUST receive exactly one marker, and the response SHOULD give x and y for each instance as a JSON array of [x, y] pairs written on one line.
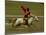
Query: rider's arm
[[24, 9]]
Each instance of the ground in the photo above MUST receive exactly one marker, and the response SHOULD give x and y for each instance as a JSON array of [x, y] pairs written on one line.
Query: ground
[[13, 8], [35, 27]]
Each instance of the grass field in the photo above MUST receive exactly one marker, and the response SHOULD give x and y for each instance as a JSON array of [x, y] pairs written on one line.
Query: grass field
[[13, 8], [35, 27]]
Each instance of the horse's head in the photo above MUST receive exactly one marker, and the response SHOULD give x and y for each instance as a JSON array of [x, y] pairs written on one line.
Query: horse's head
[[36, 18], [32, 18]]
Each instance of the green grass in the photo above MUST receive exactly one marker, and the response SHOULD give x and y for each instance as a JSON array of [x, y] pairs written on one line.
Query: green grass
[[13, 8], [35, 27]]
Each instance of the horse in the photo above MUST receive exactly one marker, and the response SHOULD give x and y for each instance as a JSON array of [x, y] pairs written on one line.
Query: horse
[[20, 21]]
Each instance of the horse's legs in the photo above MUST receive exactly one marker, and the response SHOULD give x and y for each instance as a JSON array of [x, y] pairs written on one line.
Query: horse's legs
[[10, 21], [31, 23], [13, 22], [26, 23]]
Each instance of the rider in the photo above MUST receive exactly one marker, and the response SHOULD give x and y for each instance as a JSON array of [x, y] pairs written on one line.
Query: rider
[[27, 13], [25, 16]]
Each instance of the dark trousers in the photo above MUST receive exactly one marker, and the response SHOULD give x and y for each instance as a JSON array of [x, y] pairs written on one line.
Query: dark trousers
[[26, 20]]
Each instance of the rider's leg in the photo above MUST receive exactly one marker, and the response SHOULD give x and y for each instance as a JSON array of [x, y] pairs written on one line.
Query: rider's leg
[[26, 19]]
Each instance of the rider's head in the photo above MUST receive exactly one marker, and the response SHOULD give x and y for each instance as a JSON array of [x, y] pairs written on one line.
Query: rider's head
[[27, 9]]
